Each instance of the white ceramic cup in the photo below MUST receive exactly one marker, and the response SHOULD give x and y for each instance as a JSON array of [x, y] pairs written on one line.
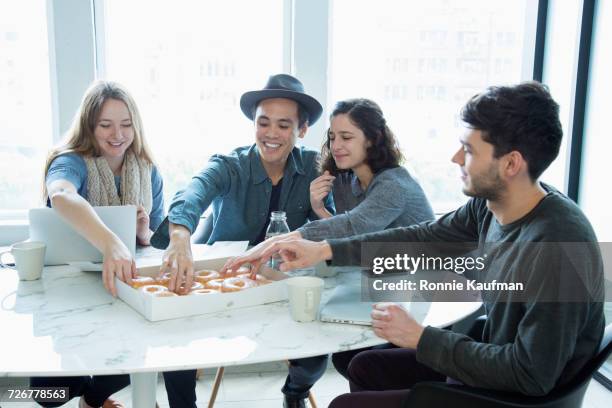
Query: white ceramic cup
[[304, 297], [29, 259]]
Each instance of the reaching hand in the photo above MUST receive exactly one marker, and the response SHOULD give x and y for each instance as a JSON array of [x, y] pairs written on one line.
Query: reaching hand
[[253, 255], [393, 323], [178, 260], [298, 253], [118, 261]]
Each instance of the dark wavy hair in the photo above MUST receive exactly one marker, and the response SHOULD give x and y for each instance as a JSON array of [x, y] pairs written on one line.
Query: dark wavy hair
[[524, 118], [383, 153]]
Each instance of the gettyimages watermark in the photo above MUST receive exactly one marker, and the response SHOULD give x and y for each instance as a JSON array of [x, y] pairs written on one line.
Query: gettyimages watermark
[[490, 272]]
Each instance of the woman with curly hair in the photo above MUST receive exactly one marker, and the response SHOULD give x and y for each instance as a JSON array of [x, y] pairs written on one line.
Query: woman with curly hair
[[361, 165]]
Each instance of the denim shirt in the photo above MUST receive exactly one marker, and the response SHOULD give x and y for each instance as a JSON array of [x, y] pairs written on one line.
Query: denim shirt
[[239, 190]]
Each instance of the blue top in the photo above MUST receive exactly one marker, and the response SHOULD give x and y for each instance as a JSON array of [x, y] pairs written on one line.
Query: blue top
[[239, 190], [72, 167], [392, 199]]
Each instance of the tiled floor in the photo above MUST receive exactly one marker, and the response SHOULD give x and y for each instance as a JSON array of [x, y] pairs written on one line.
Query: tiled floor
[[255, 386], [258, 386]]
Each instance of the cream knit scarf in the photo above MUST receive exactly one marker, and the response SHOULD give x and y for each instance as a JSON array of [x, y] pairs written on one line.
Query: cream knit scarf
[[135, 182]]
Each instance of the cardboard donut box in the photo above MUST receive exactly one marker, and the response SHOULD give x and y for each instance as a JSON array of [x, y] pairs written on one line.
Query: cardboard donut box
[[155, 308]]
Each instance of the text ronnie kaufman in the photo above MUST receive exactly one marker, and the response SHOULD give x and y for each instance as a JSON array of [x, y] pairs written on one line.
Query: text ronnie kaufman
[[425, 285]]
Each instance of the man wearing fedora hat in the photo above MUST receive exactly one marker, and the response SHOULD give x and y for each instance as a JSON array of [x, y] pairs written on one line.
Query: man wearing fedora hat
[[244, 187]]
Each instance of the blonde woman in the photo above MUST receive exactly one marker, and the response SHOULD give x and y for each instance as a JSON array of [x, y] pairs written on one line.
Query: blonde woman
[[106, 161], [103, 161]]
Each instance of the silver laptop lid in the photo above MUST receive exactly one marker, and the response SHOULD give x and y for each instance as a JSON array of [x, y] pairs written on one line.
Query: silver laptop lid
[[65, 245], [345, 306]]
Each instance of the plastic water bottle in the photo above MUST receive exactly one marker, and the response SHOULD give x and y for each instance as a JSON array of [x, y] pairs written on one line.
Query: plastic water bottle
[[278, 226]]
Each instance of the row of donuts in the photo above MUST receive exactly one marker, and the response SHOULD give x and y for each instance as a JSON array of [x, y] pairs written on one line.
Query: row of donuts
[[207, 282]]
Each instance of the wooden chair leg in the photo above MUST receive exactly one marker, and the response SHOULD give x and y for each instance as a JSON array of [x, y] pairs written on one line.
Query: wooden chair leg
[[311, 398], [215, 388], [199, 373]]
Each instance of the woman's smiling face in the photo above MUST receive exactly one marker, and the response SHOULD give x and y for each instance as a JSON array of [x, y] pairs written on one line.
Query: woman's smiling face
[[347, 143], [114, 132]]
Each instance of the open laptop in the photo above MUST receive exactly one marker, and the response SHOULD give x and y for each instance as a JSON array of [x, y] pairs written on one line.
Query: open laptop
[[345, 306], [66, 246]]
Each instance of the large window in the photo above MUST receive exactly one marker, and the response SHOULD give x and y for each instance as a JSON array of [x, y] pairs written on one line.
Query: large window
[[594, 194], [25, 103], [187, 63], [562, 38], [421, 61]]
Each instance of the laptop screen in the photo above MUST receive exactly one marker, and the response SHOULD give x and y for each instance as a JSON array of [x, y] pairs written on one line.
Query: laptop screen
[[65, 245]]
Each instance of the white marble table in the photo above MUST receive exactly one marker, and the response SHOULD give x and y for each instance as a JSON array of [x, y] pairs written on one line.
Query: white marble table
[[67, 324]]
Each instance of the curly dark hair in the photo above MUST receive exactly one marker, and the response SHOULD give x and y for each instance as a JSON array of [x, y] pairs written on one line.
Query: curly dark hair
[[524, 118], [383, 153]]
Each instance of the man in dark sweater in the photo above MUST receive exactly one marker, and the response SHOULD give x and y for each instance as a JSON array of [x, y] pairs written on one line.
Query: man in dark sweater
[[531, 342]]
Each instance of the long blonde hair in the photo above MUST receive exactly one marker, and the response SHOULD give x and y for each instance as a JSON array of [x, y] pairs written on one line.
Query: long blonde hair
[[80, 137]]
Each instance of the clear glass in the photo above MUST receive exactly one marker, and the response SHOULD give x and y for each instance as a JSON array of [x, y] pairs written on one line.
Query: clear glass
[[278, 226], [187, 63], [421, 61], [594, 193], [25, 103]]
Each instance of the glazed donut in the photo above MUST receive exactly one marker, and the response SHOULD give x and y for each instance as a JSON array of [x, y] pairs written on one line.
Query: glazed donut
[[237, 283], [163, 280], [205, 275], [165, 294], [243, 270], [153, 289], [261, 280], [203, 292], [215, 284], [141, 281], [194, 286]]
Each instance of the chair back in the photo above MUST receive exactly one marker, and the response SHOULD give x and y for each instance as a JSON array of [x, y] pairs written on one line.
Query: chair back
[[591, 367], [570, 395]]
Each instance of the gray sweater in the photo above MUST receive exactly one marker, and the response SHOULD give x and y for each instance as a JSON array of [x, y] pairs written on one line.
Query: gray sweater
[[393, 199], [528, 346]]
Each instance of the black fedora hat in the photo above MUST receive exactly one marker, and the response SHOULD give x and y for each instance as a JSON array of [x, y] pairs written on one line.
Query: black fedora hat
[[282, 86]]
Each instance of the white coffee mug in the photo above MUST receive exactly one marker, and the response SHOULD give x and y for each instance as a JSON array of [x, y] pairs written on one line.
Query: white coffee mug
[[29, 259], [304, 297]]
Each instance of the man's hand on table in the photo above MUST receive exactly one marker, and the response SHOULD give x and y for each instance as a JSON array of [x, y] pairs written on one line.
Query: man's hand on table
[[178, 260], [393, 323], [296, 253], [299, 253], [254, 255]]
